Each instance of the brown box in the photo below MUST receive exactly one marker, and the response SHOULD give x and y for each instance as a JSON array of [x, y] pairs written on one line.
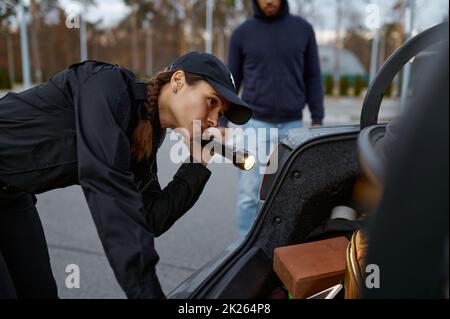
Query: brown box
[[307, 269]]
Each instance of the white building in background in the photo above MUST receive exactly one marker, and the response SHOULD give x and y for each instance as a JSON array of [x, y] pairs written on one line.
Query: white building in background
[[348, 61]]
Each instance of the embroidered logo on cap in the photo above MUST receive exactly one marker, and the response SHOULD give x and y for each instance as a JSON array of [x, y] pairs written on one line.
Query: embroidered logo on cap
[[232, 80]]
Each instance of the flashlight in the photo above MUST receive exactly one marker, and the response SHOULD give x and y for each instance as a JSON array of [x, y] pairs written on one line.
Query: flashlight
[[241, 158]]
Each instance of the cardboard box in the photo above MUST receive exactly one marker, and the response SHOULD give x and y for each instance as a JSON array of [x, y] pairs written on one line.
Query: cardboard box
[[307, 269]]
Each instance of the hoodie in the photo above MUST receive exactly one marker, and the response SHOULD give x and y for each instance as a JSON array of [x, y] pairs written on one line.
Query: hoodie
[[276, 60]]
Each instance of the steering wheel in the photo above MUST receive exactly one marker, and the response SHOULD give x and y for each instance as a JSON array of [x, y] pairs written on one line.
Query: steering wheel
[[371, 160], [410, 49]]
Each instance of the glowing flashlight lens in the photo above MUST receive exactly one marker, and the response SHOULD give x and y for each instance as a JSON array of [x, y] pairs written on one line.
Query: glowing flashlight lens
[[249, 162]]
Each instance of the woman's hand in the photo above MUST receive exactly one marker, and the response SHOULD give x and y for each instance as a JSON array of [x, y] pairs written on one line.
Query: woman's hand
[[208, 135], [222, 131], [200, 152], [206, 151]]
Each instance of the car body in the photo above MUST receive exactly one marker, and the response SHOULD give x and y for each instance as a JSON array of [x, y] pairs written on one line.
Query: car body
[[317, 171]]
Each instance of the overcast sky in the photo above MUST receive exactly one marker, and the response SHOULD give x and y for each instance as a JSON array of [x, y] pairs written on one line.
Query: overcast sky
[[429, 12]]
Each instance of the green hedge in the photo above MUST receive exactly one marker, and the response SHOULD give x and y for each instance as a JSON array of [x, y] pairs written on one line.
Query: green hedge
[[358, 85], [344, 85], [329, 85], [357, 82]]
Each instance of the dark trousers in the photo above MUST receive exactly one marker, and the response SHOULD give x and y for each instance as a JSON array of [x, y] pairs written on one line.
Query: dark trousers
[[25, 270]]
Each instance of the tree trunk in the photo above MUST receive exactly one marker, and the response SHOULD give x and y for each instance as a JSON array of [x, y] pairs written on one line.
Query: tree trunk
[[338, 44], [149, 50], [134, 37], [185, 26], [10, 54]]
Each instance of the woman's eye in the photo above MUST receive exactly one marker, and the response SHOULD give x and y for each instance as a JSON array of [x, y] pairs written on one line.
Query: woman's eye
[[213, 102]]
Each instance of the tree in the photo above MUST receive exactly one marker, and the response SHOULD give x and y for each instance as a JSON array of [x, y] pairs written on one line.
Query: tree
[[140, 10], [226, 16], [308, 9], [357, 42], [6, 15]]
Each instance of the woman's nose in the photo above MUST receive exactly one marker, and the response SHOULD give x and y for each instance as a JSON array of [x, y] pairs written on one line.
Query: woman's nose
[[212, 121]]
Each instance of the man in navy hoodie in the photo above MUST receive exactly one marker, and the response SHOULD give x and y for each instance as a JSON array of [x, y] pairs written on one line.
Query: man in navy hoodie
[[274, 56]]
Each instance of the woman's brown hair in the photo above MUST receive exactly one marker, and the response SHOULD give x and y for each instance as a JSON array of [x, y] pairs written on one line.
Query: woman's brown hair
[[142, 146]]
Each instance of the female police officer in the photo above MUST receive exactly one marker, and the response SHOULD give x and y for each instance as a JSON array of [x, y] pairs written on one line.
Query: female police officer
[[95, 125]]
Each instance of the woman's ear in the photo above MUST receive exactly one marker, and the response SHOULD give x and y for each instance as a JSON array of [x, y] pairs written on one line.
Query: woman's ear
[[178, 80]]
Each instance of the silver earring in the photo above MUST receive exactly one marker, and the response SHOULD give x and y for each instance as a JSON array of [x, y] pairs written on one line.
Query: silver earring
[[175, 90]]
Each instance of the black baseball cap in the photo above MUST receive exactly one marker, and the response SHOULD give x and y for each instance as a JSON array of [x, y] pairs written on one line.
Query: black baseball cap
[[219, 77]]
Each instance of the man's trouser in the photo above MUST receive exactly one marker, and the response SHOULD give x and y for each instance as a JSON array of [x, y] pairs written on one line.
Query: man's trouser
[[250, 181]]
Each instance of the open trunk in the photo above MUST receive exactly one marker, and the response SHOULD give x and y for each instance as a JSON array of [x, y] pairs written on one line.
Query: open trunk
[[317, 171]]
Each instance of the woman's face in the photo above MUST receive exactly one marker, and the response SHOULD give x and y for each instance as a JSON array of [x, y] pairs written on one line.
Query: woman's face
[[199, 104]]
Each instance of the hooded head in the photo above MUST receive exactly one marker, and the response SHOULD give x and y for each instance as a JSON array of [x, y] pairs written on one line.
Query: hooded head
[[262, 9]]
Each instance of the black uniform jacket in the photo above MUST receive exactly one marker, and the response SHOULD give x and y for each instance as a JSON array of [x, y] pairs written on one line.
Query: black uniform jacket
[[76, 129]]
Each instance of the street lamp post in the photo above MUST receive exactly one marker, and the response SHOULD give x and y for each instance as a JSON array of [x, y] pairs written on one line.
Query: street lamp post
[[83, 35], [24, 46], [338, 44], [209, 25], [373, 22], [374, 55], [149, 44], [409, 26]]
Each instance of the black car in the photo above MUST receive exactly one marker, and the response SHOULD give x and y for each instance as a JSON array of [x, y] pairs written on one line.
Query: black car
[[318, 170]]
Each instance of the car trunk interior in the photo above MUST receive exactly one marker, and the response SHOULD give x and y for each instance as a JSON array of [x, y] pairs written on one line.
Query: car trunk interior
[[317, 177]]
